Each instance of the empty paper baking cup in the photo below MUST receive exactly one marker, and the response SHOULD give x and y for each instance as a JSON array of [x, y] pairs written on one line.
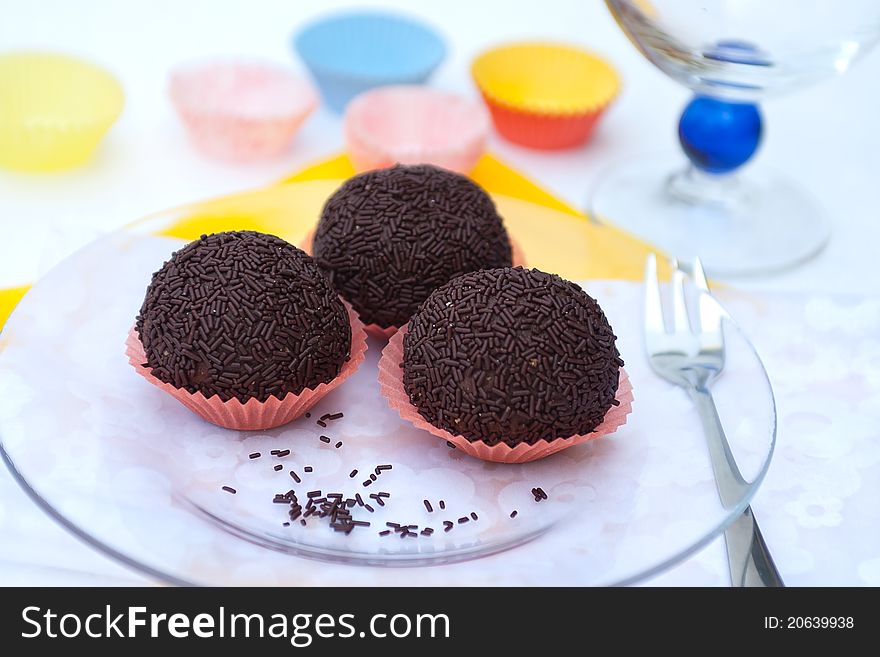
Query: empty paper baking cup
[[54, 110], [241, 110], [545, 95], [415, 125], [391, 385], [252, 415], [352, 52]]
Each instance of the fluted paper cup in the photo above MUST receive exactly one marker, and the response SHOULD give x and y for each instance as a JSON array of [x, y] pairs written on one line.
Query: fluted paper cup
[[415, 125], [252, 415], [391, 385]]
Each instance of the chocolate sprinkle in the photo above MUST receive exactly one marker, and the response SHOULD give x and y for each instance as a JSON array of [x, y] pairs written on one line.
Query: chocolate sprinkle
[[229, 489], [308, 468], [514, 513], [511, 355], [254, 455], [388, 238], [243, 315], [295, 477], [352, 474], [277, 467]]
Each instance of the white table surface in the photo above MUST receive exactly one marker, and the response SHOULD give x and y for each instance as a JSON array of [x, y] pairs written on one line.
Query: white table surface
[[826, 136]]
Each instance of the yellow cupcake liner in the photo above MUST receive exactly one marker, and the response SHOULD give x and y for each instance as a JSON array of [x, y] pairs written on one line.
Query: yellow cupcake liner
[[54, 110], [545, 78]]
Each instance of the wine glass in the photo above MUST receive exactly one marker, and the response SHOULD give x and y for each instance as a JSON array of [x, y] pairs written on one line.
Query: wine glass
[[732, 54]]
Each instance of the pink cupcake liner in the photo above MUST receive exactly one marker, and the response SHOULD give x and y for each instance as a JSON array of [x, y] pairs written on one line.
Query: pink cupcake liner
[[252, 415], [391, 384], [517, 257], [240, 110], [415, 125]]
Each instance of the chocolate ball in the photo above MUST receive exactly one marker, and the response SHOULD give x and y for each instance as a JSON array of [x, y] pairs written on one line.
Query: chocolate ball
[[511, 355], [388, 238], [243, 315]]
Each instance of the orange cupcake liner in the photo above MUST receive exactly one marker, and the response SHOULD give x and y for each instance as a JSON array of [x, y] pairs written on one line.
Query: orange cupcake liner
[[545, 95], [385, 332], [543, 131], [252, 415], [391, 385]]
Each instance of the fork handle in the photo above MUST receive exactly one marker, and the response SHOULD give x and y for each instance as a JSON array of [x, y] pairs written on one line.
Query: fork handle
[[730, 482], [748, 557]]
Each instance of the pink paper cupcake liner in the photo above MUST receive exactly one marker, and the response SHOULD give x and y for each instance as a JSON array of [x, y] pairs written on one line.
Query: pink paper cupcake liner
[[385, 332], [391, 384], [240, 110], [415, 125], [252, 415]]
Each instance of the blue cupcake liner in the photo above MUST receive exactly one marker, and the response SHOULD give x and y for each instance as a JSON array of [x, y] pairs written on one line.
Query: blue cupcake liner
[[352, 52]]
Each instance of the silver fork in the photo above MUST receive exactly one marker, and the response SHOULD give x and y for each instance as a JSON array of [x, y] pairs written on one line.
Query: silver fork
[[692, 357]]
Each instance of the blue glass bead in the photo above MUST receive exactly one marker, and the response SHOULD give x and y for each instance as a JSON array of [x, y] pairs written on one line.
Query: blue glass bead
[[717, 135]]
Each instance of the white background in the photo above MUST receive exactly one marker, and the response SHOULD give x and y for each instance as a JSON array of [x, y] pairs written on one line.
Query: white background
[[826, 136]]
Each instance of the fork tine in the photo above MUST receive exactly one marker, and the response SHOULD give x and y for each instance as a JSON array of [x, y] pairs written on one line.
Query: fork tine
[[699, 276], [653, 308], [681, 323]]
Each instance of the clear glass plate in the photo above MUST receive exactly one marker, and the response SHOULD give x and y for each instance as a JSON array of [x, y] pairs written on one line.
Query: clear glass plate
[[132, 472]]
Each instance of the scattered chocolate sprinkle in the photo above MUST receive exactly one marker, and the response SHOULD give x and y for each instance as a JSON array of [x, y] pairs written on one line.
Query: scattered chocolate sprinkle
[[313, 493], [321, 424], [372, 477], [378, 499], [448, 524], [308, 415], [282, 453], [254, 455], [427, 531], [539, 494], [382, 493], [303, 522], [295, 477], [277, 467], [324, 439], [369, 508], [442, 504], [325, 417], [308, 468], [229, 489], [335, 416], [274, 452], [359, 499], [243, 315], [387, 238], [392, 524], [526, 356], [514, 513], [384, 532], [474, 516], [338, 445], [450, 444], [463, 520], [285, 524], [352, 474], [381, 468], [428, 506], [367, 482]]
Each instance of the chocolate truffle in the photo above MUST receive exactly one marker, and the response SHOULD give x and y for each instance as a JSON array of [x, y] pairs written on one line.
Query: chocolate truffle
[[511, 355], [243, 315], [388, 238]]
